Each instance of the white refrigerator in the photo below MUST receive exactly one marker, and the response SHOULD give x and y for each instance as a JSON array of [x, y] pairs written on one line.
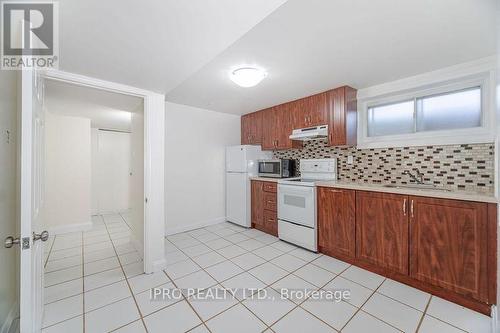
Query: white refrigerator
[[241, 164]]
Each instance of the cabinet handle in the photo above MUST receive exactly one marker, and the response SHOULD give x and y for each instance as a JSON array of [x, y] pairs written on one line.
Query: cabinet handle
[[411, 208], [336, 191], [404, 207]]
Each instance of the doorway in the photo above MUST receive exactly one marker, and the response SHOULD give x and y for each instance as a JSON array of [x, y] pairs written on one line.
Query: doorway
[[32, 198]]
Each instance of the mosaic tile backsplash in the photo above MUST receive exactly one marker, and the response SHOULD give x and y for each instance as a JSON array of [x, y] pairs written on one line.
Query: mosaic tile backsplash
[[456, 167]]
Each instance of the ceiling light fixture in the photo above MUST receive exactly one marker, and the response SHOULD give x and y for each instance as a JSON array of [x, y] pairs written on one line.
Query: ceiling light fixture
[[247, 76]]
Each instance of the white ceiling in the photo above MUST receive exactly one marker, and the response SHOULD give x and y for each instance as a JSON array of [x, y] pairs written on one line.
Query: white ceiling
[[184, 49], [105, 109], [153, 44], [314, 45]]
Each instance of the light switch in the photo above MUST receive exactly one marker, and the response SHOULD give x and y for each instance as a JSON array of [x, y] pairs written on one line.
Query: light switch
[[350, 159]]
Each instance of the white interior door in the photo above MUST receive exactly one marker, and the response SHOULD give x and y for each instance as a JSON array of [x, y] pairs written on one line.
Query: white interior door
[[31, 200]]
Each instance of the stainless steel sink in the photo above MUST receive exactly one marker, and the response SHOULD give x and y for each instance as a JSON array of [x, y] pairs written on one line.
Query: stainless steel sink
[[418, 187]]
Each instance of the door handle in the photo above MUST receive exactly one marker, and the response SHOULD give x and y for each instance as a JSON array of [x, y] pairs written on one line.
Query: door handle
[[11, 241], [43, 236]]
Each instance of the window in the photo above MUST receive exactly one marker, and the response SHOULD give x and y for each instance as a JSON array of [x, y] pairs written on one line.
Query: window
[[447, 111]]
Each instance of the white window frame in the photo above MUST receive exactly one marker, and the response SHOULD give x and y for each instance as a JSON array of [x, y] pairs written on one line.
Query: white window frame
[[483, 134]]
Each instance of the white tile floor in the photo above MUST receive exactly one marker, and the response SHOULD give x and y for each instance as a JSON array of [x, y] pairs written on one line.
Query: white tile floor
[[94, 284]]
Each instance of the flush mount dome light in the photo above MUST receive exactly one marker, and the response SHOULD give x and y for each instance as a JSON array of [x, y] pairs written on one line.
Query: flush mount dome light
[[247, 76]]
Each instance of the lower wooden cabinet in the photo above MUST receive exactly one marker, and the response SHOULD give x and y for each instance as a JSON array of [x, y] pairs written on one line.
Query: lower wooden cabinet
[[442, 246], [449, 247], [257, 203], [336, 221], [264, 213], [382, 230]]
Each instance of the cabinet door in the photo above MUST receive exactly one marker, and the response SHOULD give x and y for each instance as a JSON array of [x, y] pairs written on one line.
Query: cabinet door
[[271, 222], [257, 202], [256, 128], [342, 116], [382, 230], [299, 113], [449, 245], [283, 126], [251, 128], [337, 221], [317, 110], [336, 117], [270, 121], [246, 132]]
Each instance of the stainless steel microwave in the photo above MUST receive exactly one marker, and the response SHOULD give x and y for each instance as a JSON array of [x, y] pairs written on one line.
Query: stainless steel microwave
[[279, 168]]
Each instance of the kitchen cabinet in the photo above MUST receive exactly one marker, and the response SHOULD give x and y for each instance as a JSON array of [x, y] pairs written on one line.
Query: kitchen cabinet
[[449, 245], [336, 221], [257, 203], [382, 230], [263, 210], [251, 128], [277, 127], [342, 116], [310, 111], [272, 127], [442, 246]]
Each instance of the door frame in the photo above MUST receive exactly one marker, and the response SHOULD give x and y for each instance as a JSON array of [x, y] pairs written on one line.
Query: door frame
[[154, 160]]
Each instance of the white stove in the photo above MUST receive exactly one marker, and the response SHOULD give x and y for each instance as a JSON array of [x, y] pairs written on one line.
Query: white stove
[[297, 221]]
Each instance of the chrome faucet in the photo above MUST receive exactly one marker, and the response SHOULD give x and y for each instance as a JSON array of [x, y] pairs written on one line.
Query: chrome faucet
[[418, 178]]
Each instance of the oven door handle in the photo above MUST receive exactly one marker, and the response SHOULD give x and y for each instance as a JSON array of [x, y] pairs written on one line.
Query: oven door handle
[[295, 190]]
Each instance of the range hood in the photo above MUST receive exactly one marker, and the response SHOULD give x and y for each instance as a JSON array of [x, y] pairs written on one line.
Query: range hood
[[310, 133]]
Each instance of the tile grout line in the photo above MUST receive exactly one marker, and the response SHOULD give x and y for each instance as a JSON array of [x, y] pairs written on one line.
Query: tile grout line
[[50, 252], [266, 285], [126, 279], [310, 262], [441, 320], [290, 273], [423, 316], [189, 304], [83, 284], [217, 283]]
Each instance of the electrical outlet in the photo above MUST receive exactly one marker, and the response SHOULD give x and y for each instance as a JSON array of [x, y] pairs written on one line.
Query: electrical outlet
[[350, 159]]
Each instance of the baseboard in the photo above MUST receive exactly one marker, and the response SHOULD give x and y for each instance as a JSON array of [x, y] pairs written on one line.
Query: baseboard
[[64, 229], [13, 314], [197, 225]]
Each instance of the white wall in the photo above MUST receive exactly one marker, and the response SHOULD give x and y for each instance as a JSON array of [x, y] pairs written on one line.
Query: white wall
[[111, 172], [8, 195], [194, 165], [67, 173]]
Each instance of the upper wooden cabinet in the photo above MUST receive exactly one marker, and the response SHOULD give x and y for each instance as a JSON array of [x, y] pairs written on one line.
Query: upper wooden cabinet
[[277, 127], [382, 230], [337, 221], [342, 116], [449, 246], [271, 127], [310, 111], [251, 128]]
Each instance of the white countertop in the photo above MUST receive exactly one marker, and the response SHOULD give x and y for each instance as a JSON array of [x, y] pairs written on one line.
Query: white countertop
[[457, 195], [267, 179]]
